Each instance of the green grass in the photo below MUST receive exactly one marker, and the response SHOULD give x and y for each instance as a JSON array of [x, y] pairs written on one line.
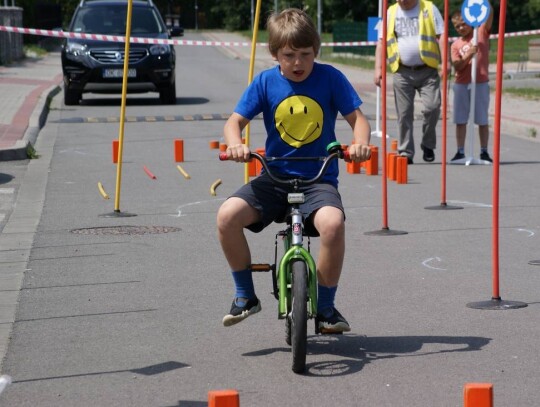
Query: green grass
[[516, 49], [527, 93], [34, 51]]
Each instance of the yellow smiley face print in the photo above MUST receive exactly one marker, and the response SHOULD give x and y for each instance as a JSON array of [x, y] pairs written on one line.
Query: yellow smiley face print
[[299, 120]]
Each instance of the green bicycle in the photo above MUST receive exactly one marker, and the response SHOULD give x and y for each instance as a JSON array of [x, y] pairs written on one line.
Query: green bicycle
[[294, 277]]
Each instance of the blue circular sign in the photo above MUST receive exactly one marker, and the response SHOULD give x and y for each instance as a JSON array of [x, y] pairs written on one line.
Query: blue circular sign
[[475, 12]]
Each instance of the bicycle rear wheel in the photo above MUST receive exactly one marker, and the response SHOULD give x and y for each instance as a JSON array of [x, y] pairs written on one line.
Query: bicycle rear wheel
[[299, 316]]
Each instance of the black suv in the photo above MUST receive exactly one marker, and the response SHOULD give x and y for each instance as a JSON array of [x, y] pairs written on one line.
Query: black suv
[[98, 66]]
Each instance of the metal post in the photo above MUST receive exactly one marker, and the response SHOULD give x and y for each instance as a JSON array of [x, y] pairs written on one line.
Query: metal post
[[196, 15]]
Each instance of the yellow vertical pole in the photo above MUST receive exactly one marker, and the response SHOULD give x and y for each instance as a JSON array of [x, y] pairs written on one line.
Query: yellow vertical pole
[[123, 108], [250, 74]]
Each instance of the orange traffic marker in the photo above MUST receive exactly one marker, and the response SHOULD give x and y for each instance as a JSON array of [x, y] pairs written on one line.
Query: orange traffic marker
[[478, 395], [178, 150], [258, 165], [401, 171], [252, 167], [214, 144], [372, 165], [391, 159], [353, 167], [223, 398], [393, 145], [223, 147], [115, 151]]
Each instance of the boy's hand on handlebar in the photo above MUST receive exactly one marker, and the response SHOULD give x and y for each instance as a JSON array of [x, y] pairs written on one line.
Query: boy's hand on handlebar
[[359, 152], [238, 152]]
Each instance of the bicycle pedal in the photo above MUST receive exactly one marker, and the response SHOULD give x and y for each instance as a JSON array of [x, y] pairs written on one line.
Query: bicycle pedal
[[262, 267]]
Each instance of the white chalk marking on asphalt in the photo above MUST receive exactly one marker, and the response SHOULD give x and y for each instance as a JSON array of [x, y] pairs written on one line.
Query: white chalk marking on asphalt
[[530, 232], [477, 204], [425, 263], [7, 190], [179, 209], [2, 217]]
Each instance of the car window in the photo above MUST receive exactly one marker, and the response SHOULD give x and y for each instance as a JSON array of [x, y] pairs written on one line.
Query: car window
[[112, 20]]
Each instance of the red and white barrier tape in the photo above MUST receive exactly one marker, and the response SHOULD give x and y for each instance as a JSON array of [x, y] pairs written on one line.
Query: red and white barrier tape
[[140, 40]]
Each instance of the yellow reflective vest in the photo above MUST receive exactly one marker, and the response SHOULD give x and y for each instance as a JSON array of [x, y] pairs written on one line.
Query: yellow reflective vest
[[429, 45]]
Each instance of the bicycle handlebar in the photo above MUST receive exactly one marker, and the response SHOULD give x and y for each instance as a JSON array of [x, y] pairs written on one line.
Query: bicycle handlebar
[[294, 181]]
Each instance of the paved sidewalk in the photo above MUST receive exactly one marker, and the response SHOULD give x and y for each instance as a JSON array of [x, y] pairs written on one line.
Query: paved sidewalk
[[25, 89], [27, 86]]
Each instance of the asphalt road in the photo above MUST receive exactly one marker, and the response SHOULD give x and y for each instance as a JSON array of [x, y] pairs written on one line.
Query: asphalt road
[[126, 310]]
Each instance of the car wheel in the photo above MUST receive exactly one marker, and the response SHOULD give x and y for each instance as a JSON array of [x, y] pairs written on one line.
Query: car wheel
[[168, 96], [71, 97]]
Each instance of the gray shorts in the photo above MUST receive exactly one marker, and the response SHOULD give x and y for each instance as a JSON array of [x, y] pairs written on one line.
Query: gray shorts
[[462, 103], [271, 201]]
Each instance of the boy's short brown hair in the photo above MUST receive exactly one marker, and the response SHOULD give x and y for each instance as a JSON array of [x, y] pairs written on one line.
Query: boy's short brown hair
[[292, 27]]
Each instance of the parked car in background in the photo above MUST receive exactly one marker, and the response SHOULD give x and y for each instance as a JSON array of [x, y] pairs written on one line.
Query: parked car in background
[[98, 67]]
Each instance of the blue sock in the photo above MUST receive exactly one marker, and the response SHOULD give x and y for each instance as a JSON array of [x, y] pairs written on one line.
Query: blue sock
[[243, 280], [483, 149], [325, 300], [461, 150]]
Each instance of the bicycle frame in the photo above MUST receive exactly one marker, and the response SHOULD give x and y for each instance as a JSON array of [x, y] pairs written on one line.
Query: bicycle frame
[[294, 250]]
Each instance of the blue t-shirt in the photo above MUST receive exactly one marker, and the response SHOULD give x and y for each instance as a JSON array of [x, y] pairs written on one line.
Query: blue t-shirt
[[300, 117]]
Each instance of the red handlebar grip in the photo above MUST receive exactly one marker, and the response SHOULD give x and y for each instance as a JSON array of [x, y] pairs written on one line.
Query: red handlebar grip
[[223, 156], [346, 156]]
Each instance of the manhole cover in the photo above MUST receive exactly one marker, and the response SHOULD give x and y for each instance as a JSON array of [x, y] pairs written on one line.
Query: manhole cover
[[126, 230]]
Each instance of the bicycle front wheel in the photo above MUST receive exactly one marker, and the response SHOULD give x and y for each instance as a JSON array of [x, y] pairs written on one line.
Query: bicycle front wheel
[[299, 316]]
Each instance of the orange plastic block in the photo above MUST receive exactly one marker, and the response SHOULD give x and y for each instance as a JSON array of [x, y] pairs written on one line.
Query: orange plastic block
[[401, 172], [115, 151], [353, 167], [372, 165], [391, 160], [223, 398], [178, 150], [258, 165], [478, 395]]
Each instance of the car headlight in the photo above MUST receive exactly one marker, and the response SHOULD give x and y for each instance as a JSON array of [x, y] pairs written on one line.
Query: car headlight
[[76, 49], [159, 49]]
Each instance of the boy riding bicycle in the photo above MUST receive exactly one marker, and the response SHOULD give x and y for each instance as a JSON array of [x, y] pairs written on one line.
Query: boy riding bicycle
[[300, 100]]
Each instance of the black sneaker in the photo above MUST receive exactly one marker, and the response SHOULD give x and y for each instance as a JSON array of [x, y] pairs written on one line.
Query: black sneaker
[[485, 156], [429, 155], [239, 313], [333, 324], [458, 156]]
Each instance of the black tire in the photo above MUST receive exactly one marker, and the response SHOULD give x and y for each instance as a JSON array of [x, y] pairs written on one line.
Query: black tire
[[299, 316], [168, 96], [288, 330], [71, 97]]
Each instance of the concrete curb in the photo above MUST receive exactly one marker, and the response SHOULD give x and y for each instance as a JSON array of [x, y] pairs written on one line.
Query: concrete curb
[[35, 124]]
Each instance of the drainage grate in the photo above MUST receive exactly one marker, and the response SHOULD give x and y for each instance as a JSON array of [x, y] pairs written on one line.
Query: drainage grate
[[126, 230]]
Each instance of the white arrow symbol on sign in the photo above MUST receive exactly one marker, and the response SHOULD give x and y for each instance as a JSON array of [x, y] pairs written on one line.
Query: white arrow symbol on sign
[[483, 11]]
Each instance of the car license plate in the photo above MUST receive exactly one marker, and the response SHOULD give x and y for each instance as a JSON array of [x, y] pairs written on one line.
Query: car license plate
[[119, 73]]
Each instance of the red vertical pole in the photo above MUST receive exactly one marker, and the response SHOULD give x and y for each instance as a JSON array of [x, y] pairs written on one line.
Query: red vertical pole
[[444, 104], [496, 151], [383, 121]]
